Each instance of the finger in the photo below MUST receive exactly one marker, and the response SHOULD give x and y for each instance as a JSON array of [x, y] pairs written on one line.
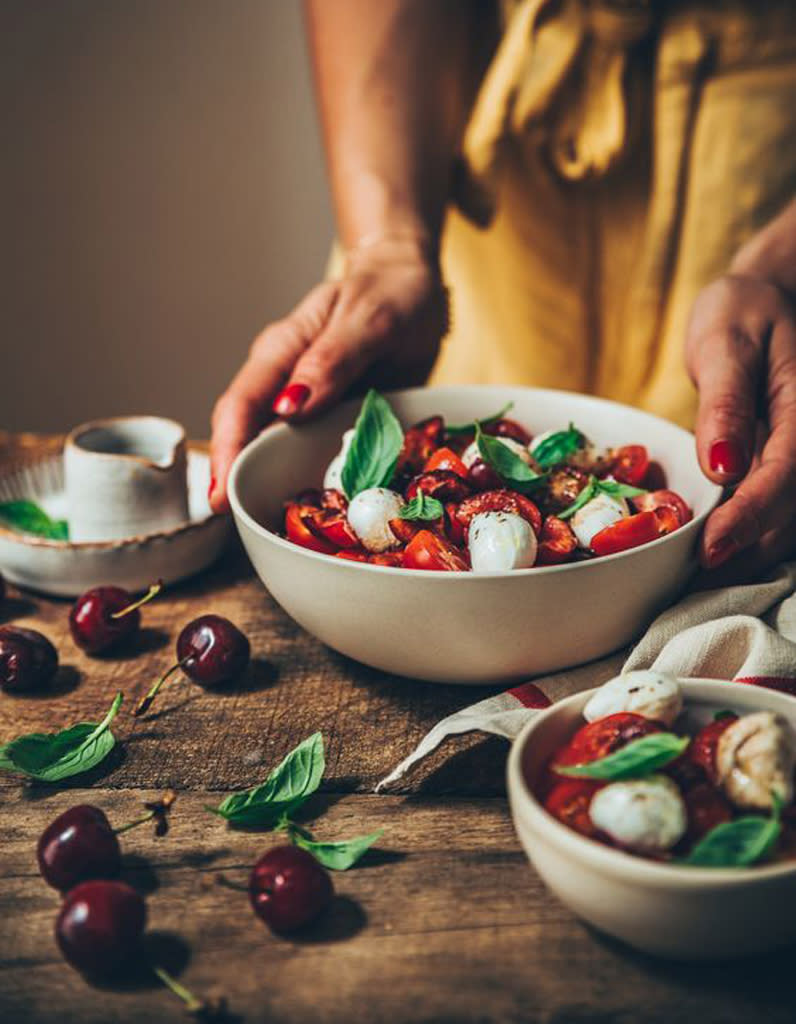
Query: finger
[[771, 550], [726, 366], [245, 408]]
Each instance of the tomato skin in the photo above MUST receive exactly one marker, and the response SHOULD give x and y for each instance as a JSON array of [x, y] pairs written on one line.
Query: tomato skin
[[625, 534], [662, 499], [702, 749], [310, 497], [630, 464], [706, 807], [446, 458], [392, 558], [332, 525], [420, 442], [299, 532], [334, 499], [600, 738], [353, 556], [453, 528], [569, 801], [500, 501], [508, 428], [557, 542], [564, 484], [405, 529], [655, 477], [442, 484], [428, 551]]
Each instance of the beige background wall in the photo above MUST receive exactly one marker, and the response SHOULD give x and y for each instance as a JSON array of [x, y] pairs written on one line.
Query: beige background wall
[[162, 196]]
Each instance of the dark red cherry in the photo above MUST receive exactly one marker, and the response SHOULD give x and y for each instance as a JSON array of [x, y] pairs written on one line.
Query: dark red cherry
[[481, 477], [80, 844], [100, 926], [288, 888], [104, 617], [28, 660], [508, 428]]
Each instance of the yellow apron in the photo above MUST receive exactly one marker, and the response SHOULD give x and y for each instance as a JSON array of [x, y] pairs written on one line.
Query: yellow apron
[[617, 156]]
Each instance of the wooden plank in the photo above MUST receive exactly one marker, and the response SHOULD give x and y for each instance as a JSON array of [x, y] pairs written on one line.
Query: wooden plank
[[445, 922]]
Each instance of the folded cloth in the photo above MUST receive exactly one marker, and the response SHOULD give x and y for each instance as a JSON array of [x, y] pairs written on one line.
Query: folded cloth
[[744, 633]]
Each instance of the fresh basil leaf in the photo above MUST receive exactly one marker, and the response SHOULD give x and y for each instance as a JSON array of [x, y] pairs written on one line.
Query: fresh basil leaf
[[375, 447], [469, 428], [28, 517], [558, 447], [617, 490], [637, 759], [336, 856], [585, 496], [51, 757], [422, 506], [510, 467], [739, 843], [723, 714], [287, 787]]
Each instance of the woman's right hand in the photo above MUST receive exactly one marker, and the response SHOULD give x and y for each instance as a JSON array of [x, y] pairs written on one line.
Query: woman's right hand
[[380, 324]]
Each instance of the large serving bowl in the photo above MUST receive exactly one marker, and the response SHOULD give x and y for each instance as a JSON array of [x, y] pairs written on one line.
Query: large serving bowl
[[674, 911], [467, 627]]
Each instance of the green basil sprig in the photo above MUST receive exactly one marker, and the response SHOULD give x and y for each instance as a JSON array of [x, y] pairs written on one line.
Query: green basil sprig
[[558, 447], [288, 786], [51, 757], [635, 760], [422, 506], [506, 464], [739, 843], [594, 487], [338, 856], [469, 428], [375, 447], [28, 517]]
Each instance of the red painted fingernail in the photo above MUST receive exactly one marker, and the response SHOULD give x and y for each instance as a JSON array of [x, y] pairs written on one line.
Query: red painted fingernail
[[723, 549], [212, 487], [727, 456], [290, 400]]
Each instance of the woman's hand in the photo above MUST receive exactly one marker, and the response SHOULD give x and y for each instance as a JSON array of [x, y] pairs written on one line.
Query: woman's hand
[[741, 354], [380, 324]]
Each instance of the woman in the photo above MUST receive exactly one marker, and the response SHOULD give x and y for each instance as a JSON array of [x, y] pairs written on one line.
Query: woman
[[573, 194]]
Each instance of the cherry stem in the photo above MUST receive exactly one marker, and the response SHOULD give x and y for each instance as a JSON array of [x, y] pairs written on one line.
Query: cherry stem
[[158, 809], [222, 880], [192, 1004], [134, 824], [146, 702], [153, 591]]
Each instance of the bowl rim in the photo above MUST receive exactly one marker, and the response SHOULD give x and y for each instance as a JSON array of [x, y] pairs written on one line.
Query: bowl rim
[[277, 429], [633, 868]]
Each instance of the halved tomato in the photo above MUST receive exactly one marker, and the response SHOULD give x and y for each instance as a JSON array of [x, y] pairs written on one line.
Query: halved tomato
[[446, 458], [332, 498], [630, 464], [625, 534], [500, 501], [656, 499], [298, 530], [702, 748], [453, 528], [332, 525], [420, 441], [557, 542], [428, 551], [405, 529], [569, 801], [392, 558], [353, 556], [442, 484], [668, 520], [601, 738]]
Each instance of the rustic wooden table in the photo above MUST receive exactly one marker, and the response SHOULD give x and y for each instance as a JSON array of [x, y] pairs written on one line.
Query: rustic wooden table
[[444, 921]]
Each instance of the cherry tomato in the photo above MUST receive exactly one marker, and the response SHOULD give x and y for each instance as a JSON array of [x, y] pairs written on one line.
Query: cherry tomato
[[482, 477], [405, 529], [569, 801], [659, 499], [332, 498], [297, 530], [453, 528], [500, 501], [630, 464], [333, 526], [627, 533], [420, 442], [601, 738], [353, 556], [507, 428], [310, 497], [442, 484], [702, 749], [655, 477], [557, 542], [428, 551], [706, 807], [668, 520], [563, 485], [391, 558], [446, 458]]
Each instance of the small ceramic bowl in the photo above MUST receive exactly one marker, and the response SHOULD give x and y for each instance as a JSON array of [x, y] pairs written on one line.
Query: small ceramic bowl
[[673, 911], [468, 627], [66, 568]]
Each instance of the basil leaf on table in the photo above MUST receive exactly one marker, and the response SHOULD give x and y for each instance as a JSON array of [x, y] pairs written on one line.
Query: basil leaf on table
[[507, 465], [739, 843], [594, 487], [338, 856], [637, 759], [469, 428], [28, 517], [558, 447], [422, 506], [288, 786], [51, 757], [375, 447]]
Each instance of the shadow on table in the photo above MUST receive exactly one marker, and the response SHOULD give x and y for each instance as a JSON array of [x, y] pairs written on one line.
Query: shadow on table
[[15, 608], [344, 919], [64, 681], [145, 641], [138, 872]]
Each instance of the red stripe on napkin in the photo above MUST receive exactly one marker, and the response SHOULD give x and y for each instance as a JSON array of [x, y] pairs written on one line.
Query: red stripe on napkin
[[530, 696], [785, 684]]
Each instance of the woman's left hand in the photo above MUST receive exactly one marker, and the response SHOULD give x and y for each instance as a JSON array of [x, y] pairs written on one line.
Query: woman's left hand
[[741, 354]]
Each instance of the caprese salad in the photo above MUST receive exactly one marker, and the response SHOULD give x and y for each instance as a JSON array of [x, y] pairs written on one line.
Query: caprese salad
[[720, 798], [483, 496]]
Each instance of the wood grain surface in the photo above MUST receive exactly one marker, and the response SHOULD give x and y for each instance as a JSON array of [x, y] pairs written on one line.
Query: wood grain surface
[[443, 922]]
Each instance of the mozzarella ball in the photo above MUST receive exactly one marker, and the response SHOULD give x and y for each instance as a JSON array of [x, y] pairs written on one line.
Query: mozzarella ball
[[500, 540], [755, 755], [595, 515], [471, 454], [369, 514], [651, 694], [647, 815], [333, 477]]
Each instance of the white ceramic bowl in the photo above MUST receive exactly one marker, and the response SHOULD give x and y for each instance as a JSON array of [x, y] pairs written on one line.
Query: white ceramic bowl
[[467, 627], [673, 911]]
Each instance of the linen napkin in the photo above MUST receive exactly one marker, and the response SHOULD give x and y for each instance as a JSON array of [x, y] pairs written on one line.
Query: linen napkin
[[744, 633]]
